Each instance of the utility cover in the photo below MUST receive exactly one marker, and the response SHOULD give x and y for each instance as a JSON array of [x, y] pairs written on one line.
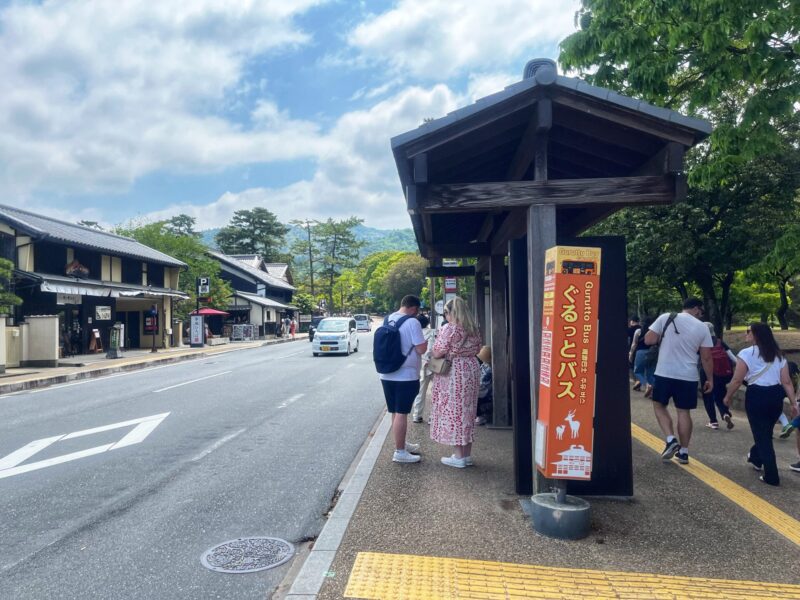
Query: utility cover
[[246, 555]]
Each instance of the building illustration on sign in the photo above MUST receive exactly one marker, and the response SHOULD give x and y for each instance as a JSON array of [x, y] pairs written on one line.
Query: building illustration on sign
[[575, 463]]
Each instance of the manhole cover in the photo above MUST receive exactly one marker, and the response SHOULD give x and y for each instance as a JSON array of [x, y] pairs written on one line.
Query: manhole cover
[[245, 555]]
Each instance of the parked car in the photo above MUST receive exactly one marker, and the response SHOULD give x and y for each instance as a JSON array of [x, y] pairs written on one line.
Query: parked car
[[335, 335], [363, 322], [312, 327]]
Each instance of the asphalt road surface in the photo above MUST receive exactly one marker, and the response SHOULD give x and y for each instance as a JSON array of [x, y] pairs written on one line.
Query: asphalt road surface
[[115, 487]]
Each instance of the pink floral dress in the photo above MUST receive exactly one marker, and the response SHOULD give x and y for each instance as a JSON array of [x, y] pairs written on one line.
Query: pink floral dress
[[455, 395]]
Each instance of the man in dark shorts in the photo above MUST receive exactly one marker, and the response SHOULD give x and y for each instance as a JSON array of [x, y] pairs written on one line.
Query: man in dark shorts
[[402, 386], [676, 376]]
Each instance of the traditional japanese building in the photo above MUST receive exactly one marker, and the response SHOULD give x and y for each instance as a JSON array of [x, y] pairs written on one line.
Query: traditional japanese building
[[90, 279], [262, 291]]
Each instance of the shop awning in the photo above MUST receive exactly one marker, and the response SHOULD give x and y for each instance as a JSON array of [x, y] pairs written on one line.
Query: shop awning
[[57, 284], [262, 301]]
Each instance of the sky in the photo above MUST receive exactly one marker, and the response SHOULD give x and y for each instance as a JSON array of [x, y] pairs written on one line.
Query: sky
[[120, 111]]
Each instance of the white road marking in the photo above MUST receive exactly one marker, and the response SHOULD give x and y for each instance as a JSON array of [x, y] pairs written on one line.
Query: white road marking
[[220, 442], [177, 385], [144, 427], [291, 400], [292, 354], [326, 380]]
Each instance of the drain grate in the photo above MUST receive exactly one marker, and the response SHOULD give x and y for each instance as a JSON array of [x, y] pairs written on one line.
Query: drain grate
[[246, 555]]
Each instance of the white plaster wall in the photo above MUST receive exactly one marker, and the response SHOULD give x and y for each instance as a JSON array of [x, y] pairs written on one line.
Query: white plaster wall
[[42, 338]]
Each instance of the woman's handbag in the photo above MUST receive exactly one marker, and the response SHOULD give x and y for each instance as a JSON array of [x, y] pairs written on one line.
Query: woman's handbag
[[440, 366]]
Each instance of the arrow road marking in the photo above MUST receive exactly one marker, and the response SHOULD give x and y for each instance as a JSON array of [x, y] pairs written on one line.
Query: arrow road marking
[[11, 465]]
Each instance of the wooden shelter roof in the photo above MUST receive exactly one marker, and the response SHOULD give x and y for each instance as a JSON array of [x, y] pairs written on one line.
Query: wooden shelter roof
[[467, 175]]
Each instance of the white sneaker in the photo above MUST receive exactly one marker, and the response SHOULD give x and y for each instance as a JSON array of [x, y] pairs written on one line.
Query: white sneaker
[[412, 448], [403, 456], [452, 461], [468, 461]]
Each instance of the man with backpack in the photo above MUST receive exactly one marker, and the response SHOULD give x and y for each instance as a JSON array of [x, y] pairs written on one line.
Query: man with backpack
[[680, 337], [397, 347]]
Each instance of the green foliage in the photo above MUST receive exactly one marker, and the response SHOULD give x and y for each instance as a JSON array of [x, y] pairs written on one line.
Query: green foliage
[[304, 303], [779, 267], [182, 225], [7, 298], [735, 63], [255, 231], [405, 276], [337, 249], [188, 249]]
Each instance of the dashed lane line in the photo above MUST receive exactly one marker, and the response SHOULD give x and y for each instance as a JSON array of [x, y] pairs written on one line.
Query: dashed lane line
[[762, 510], [177, 385], [396, 576]]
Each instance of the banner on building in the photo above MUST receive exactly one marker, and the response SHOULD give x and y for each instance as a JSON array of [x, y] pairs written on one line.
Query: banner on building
[[564, 426]]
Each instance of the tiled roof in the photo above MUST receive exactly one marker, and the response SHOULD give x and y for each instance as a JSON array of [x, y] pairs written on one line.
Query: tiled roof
[[245, 268], [55, 230], [254, 260], [277, 269]]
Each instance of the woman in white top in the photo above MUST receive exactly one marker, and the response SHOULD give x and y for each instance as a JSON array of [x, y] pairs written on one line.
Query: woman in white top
[[766, 372]]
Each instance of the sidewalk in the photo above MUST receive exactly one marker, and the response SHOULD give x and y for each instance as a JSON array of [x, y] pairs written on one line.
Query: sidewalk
[[427, 531], [87, 366]]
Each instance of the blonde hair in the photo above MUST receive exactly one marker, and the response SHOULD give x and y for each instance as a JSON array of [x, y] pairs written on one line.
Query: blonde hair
[[458, 312]]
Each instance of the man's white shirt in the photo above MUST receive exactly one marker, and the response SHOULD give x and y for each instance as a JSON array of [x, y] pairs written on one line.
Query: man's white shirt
[[677, 356]]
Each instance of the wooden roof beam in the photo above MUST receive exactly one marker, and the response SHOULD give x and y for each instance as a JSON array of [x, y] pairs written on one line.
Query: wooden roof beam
[[467, 250], [468, 271], [539, 125], [628, 191]]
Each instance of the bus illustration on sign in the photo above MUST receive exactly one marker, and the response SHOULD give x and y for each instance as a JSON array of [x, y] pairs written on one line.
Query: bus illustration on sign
[[577, 267]]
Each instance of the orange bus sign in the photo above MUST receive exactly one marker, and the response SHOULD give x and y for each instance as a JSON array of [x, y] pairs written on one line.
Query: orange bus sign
[[564, 426]]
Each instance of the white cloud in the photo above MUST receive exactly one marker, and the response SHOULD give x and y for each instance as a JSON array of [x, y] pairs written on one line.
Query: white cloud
[[97, 94], [356, 174], [438, 39]]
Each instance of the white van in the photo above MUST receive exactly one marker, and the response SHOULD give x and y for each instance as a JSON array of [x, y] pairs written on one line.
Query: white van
[[363, 322], [335, 335]]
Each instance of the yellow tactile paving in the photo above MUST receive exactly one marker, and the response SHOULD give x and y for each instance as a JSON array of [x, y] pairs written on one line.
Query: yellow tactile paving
[[762, 510], [378, 576]]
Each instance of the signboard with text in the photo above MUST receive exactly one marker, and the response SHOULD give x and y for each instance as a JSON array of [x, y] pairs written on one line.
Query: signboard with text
[[196, 330], [564, 427]]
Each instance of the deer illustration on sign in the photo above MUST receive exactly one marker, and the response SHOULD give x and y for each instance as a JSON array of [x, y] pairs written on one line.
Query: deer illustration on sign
[[560, 432], [574, 426]]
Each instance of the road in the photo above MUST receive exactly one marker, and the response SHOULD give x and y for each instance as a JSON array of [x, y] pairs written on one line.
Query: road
[[249, 443]]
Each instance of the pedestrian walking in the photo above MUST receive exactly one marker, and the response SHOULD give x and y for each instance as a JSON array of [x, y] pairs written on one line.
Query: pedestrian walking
[[454, 403], [637, 356], [680, 337], [286, 324], [427, 374], [293, 327], [401, 335], [764, 368], [724, 361]]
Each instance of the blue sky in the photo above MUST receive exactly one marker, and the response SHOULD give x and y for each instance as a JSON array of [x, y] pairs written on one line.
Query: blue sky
[[123, 110]]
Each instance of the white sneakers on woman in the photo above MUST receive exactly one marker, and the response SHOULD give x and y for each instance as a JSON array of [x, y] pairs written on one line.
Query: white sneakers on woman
[[459, 463]]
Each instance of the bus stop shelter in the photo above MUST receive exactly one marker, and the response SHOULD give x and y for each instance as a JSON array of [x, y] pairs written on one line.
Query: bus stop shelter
[[515, 173]]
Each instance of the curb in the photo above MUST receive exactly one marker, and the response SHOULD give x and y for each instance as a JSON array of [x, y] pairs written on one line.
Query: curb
[[316, 567], [30, 384]]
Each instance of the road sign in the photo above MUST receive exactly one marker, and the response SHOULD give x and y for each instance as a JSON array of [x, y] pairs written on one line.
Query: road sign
[[11, 465], [564, 427], [203, 286]]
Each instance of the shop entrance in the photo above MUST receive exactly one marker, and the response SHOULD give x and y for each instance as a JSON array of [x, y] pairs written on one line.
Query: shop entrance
[[131, 320]]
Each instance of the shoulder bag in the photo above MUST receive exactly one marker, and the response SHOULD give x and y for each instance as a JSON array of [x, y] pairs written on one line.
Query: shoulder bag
[[651, 358], [440, 366]]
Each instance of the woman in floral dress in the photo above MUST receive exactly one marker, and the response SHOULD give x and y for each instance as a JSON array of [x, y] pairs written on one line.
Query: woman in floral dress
[[455, 395]]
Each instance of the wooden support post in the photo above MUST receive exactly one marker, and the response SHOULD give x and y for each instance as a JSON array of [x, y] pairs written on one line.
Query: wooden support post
[[480, 305], [520, 364], [541, 236], [499, 285]]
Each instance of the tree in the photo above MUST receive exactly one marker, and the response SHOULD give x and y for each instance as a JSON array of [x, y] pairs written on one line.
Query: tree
[[255, 231], [182, 225], [338, 249], [406, 276], [306, 247], [188, 249], [7, 298], [735, 63], [304, 303], [779, 267]]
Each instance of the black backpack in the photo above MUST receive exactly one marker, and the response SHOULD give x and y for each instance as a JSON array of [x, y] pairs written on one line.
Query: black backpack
[[386, 348]]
